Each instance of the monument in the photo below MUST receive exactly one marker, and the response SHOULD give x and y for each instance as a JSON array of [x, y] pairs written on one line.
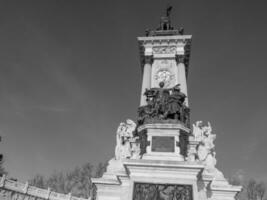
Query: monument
[[159, 157]]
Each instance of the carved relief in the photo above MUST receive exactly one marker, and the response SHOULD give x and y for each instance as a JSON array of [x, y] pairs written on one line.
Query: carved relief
[[164, 50], [162, 191]]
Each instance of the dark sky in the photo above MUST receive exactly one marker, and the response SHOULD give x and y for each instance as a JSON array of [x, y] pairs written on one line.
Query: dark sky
[[70, 73]]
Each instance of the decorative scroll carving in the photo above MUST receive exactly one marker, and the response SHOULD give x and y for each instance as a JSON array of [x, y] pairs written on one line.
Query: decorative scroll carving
[[127, 143], [164, 105], [148, 191]]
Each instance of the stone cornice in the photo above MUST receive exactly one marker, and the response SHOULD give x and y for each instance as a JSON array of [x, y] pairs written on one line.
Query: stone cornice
[[163, 168], [165, 47], [176, 126], [159, 39]]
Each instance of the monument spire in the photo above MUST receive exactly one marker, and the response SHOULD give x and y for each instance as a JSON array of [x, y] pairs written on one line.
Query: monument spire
[[164, 54], [159, 157]]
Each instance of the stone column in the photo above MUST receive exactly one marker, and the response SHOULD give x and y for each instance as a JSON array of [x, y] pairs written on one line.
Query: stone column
[[182, 76], [146, 82]]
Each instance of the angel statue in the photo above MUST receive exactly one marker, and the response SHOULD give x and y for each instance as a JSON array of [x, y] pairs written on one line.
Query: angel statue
[[124, 138]]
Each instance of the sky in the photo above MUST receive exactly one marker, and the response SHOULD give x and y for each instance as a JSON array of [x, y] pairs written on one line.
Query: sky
[[70, 73]]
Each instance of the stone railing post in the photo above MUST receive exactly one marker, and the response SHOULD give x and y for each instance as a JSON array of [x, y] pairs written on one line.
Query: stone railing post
[[25, 189], [48, 193], [2, 182], [69, 196], [146, 83]]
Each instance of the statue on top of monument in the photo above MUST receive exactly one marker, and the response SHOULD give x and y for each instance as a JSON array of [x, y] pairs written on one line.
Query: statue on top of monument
[[165, 27], [164, 104], [168, 11], [165, 21]]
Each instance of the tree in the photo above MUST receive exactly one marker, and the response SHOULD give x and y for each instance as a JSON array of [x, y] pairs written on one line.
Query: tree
[[255, 190], [38, 181], [77, 181], [57, 182], [100, 169], [251, 190], [260, 190]]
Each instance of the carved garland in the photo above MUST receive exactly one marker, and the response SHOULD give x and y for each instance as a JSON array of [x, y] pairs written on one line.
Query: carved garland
[[164, 50]]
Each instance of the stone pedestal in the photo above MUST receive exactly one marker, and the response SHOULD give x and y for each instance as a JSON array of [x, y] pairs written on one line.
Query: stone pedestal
[[162, 174], [162, 170], [124, 179], [163, 141]]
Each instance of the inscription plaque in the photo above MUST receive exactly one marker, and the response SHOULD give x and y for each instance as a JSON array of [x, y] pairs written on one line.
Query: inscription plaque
[[162, 144], [148, 191]]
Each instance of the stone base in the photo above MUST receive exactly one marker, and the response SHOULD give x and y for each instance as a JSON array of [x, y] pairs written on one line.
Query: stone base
[[163, 171], [163, 156], [119, 181], [163, 141]]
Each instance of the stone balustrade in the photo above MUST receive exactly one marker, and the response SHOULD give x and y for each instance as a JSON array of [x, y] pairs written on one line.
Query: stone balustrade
[[10, 187]]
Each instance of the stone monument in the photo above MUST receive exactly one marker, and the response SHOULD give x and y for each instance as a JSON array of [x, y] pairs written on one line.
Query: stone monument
[[159, 157]]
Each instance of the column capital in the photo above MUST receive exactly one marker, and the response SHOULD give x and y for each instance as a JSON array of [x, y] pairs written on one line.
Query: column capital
[[148, 59], [180, 59]]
